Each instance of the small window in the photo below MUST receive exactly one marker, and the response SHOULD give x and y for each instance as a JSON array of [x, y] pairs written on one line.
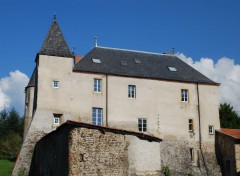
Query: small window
[[97, 61], [137, 61], [172, 69], [190, 125], [131, 91], [142, 125], [211, 129], [56, 119], [191, 150], [97, 116], [184, 93], [97, 85], [55, 84], [123, 63]]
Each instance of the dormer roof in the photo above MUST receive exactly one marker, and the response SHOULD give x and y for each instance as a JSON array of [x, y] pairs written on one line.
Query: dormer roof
[[55, 44]]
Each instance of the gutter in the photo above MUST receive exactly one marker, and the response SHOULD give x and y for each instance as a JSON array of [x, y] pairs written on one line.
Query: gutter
[[200, 132]]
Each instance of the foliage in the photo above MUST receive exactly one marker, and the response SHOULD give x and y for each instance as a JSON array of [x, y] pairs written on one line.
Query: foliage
[[11, 131], [6, 167], [166, 171], [228, 117], [189, 174]]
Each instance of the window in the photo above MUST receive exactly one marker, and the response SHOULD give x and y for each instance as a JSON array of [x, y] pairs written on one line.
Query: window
[[55, 84], [190, 125], [131, 91], [184, 95], [97, 85], [172, 69], [97, 61], [191, 154], [211, 129], [142, 125], [97, 116], [56, 119], [123, 63], [137, 61]]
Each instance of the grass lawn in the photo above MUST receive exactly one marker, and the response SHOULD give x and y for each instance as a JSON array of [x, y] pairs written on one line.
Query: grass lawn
[[6, 167]]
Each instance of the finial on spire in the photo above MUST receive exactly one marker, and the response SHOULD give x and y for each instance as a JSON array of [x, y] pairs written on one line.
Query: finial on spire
[[54, 16], [173, 50], [96, 40]]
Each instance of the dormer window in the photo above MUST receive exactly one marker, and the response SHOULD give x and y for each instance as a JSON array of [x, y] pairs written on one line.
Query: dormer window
[[96, 61], [137, 61], [123, 63], [172, 69]]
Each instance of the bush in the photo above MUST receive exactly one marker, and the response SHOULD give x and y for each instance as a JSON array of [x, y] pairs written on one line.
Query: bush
[[166, 171]]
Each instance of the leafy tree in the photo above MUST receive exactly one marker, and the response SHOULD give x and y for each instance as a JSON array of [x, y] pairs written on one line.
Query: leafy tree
[[228, 117], [11, 131]]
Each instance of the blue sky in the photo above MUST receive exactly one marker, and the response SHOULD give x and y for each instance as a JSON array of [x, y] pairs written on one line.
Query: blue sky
[[197, 29]]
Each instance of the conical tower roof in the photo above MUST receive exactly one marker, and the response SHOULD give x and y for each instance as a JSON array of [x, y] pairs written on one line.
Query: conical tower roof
[[55, 44]]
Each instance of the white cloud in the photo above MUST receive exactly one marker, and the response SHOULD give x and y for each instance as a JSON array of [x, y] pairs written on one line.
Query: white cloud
[[225, 71], [12, 91]]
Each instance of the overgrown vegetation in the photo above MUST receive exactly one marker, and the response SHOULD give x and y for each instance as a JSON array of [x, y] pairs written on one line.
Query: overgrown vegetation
[[166, 171], [11, 131], [229, 118]]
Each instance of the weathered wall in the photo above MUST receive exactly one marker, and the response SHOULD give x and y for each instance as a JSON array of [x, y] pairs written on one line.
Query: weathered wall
[[93, 153], [50, 155], [176, 155], [225, 148]]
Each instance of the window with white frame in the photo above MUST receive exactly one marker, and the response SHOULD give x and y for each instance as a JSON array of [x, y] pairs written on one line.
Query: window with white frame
[[97, 85], [97, 116], [184, 94], [142, 124], [131, 91], [211, 129], [55, 84], [190, 125], [191, 150], [56, 119]]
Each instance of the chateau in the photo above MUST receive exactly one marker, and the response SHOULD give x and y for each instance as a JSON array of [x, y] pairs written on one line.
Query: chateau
[[155, 94]]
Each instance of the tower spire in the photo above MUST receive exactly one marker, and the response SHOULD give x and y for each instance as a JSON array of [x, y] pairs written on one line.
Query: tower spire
[[55, 44]]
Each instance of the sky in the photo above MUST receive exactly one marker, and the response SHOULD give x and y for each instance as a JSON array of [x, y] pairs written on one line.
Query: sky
[[205, 34]]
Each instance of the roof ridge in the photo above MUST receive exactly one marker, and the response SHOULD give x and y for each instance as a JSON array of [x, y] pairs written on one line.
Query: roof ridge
[[136, 51]]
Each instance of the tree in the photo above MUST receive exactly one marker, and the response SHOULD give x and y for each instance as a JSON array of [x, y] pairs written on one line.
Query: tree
[[11, 132], [228, 117]]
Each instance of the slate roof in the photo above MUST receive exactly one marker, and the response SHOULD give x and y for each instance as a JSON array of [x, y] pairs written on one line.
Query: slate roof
[[139, 64], [31, 82], [55, 44]]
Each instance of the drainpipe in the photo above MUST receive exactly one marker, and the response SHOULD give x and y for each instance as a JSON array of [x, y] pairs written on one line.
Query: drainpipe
[[107, 100], [200, 134]]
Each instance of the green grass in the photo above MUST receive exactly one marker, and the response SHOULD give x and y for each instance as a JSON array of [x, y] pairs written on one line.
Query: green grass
[[6, 167]]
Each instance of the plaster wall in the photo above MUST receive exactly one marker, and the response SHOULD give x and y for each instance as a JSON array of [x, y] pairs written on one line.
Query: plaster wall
[[157, 101]]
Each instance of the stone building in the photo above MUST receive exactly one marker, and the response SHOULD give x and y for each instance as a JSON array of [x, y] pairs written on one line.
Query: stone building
[[156, 94], [228, 151], [85, 149]]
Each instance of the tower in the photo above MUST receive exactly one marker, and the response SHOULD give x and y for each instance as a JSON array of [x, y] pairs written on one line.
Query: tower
[[53, 56]]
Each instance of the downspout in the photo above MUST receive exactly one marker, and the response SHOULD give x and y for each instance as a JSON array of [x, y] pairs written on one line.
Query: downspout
[[200, 134], [107, 100]]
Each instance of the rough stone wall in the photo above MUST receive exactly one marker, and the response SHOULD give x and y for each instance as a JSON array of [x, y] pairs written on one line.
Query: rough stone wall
[[237, 157], [225, 152], [23, 162], [176, 155], [93, 153]]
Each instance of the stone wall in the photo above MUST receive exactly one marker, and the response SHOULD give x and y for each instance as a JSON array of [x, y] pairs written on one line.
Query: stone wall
[[24, 159], [94, 153], [176, 155], [225, 150]]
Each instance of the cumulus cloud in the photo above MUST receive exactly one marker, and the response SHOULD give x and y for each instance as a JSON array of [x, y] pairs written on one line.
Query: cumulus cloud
[[12, 91], [224, 71]]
